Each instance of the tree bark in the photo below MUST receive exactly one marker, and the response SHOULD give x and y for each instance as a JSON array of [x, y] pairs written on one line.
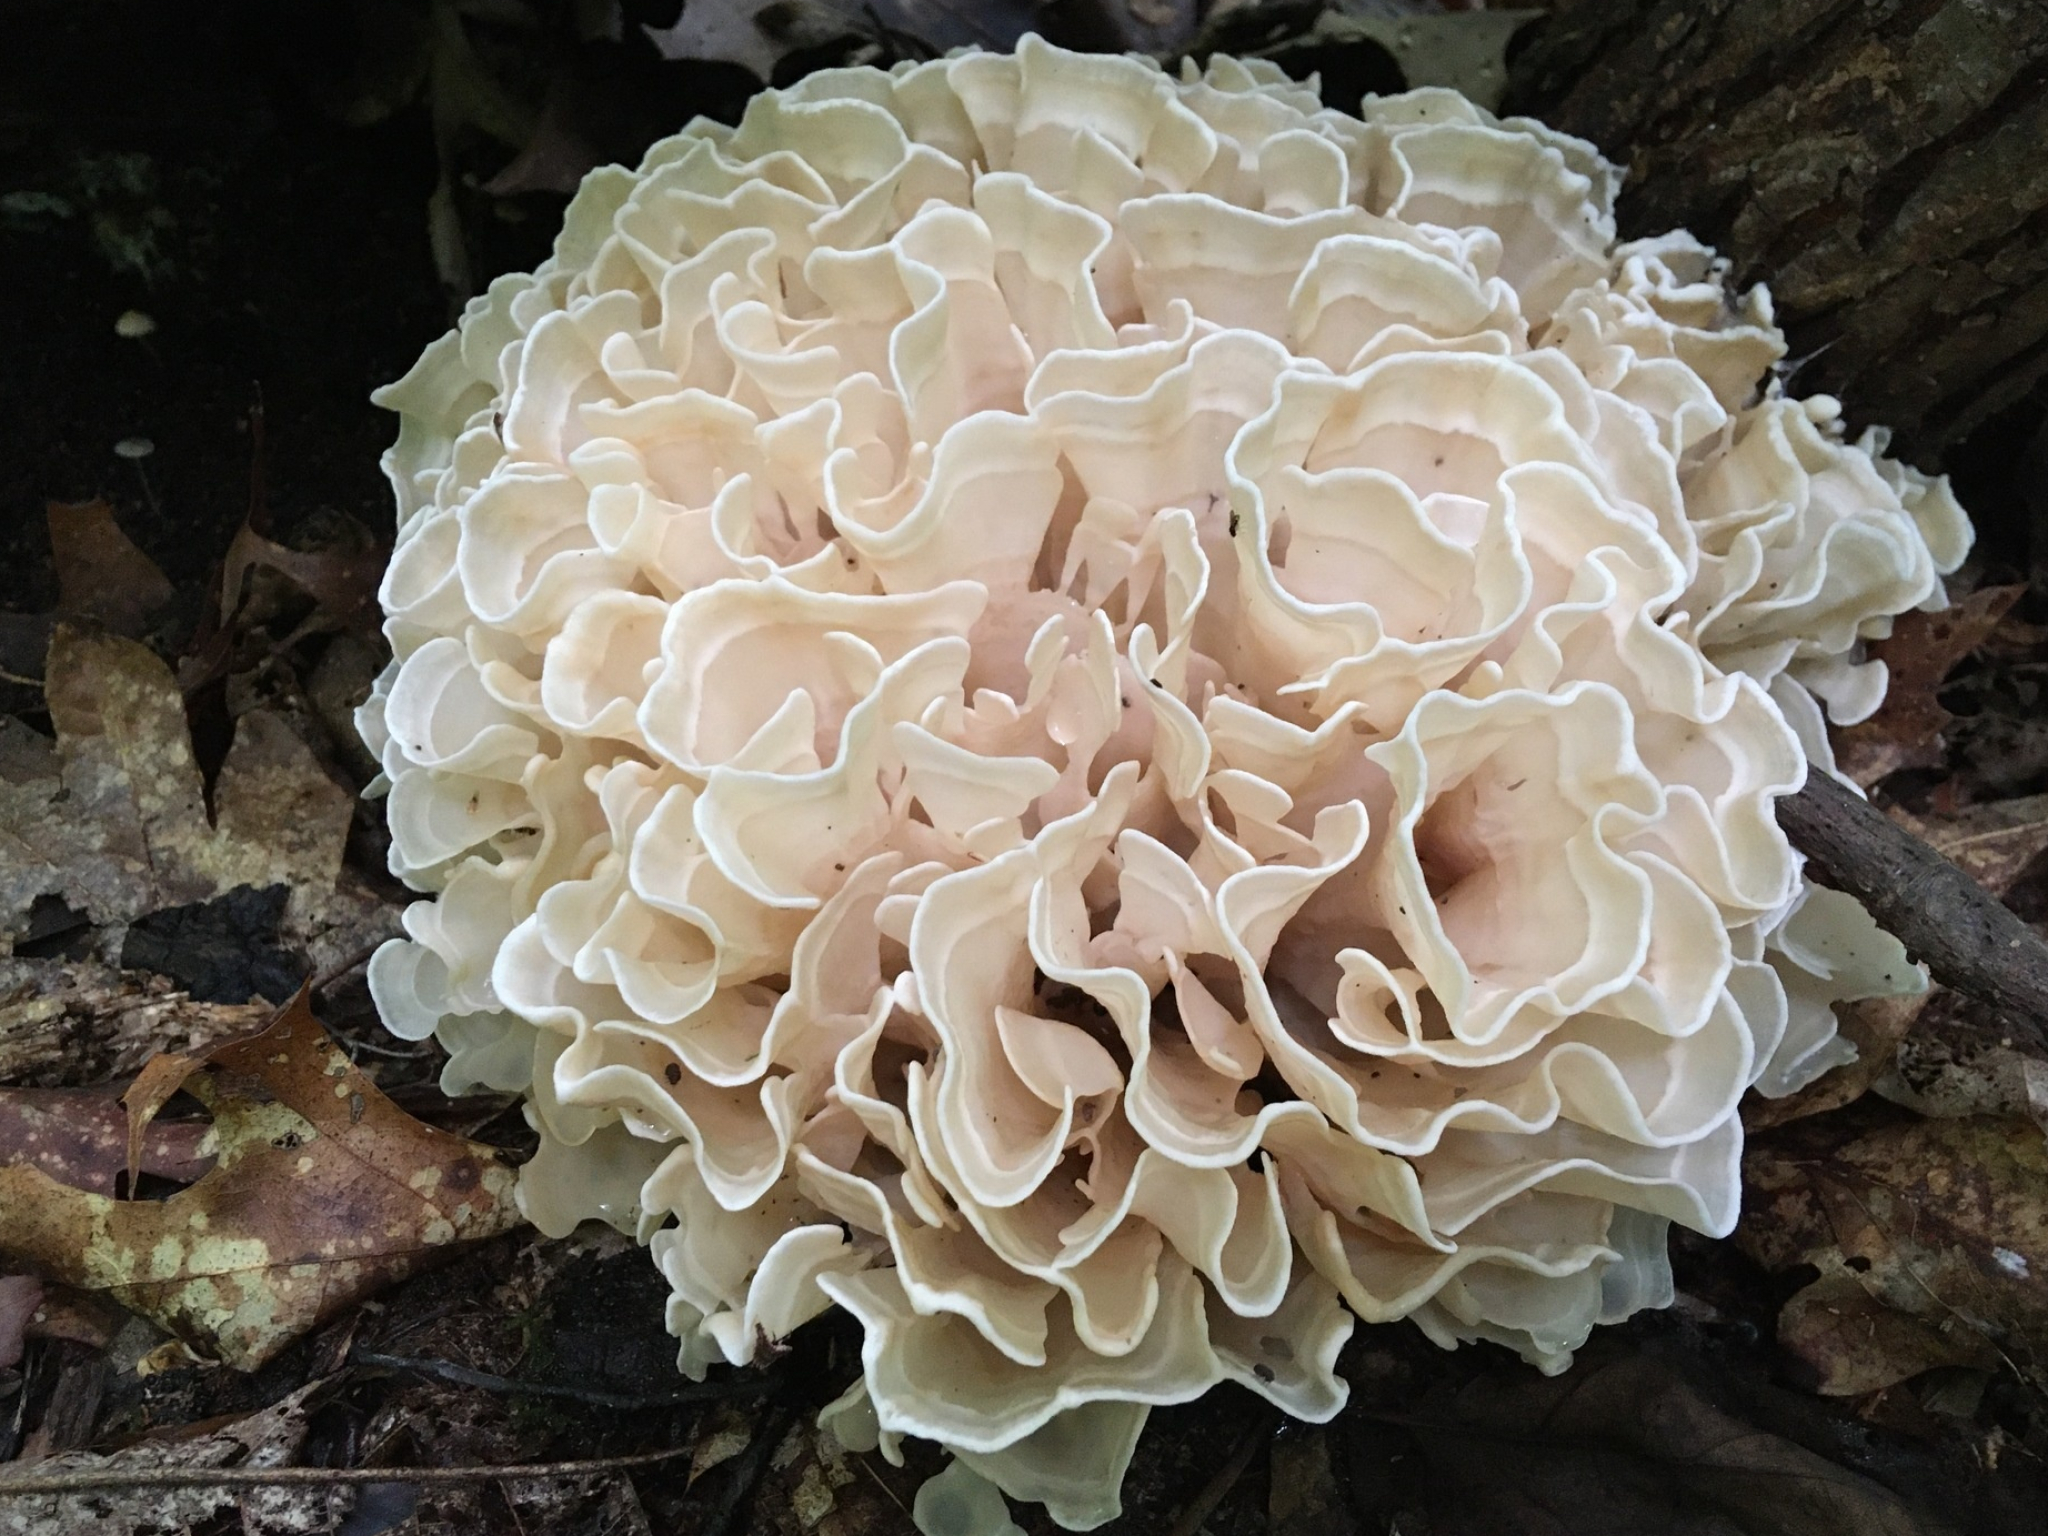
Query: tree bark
[[1882, 164]]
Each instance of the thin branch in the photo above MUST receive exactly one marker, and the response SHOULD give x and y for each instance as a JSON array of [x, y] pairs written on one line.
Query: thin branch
[[97, 1480], [1972, 942], [464, 1376], [1213, 1492], [880, 1482], [341, 968]]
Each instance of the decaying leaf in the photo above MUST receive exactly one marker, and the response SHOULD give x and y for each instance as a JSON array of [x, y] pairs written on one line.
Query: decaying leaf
[[1858, 1344], [1960, 1061], [1875, 1027], [220, 951], [269, 1438], [1465, 49], [1993, 843], [340, 581], [111, 818], [1943, 1221], [323, 1192], [1921, 652], [101, 574], [82, 1137]]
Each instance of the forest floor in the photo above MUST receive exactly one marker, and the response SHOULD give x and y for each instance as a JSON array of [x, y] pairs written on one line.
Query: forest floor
[[214, 227]]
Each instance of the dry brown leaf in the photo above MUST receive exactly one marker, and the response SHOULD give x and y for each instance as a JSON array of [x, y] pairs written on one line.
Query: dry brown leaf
[[101, 574], [83, 1137], [757, 34], [80, 1317], [1921, 652], [340, 582], [1945, 1222], [324, 1191], [1963, 1061], [1857, 1344], [1875, 1027], [112, 817], [1993, 843]]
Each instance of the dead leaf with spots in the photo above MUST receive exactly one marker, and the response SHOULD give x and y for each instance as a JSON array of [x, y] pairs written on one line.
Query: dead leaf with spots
[[323, 1192], [1931, 1238], [84, 1138], [1962, 1060], [111, 817], [1906, 731]]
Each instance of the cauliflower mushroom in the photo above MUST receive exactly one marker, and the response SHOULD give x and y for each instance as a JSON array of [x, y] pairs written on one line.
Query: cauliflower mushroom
[[1113, 720]]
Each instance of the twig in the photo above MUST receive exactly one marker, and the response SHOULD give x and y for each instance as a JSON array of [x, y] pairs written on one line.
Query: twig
[[464, 1376], [1972, 942], [341, 968], [877, 1479], [98, 1480], [1213, 1492], [411, 1052]]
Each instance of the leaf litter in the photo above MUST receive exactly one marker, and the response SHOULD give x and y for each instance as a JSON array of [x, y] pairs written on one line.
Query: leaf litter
[[112, 817], [322, 1192]]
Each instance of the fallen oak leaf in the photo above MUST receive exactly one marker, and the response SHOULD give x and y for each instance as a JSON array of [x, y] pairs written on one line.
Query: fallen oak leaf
[[1944, 1221], [82, 1137], [1921, 651], [341, 582], [101, 573], [324, 1192]]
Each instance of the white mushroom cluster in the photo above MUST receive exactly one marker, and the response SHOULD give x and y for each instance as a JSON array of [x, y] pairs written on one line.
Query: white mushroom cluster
[[1113, 720]]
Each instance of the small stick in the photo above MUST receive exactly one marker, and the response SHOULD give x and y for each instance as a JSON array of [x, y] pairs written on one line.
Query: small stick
[[464, 1376], [97, 1480], [1225, 1477], [1971, 940]]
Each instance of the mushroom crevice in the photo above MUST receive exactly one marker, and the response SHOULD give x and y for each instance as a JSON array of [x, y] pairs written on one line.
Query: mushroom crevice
[[1113, 720]]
